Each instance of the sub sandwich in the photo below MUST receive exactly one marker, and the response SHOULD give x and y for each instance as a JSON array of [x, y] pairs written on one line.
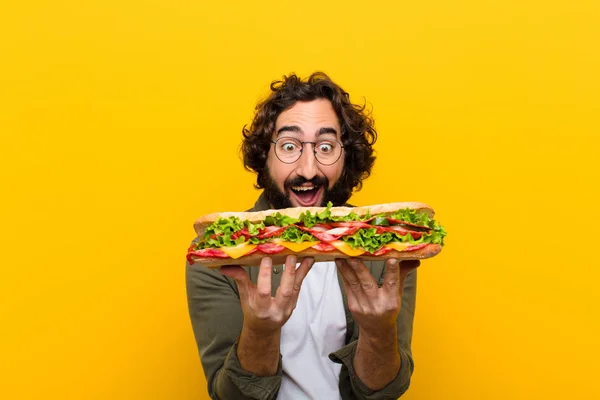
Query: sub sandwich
[[393, 230]]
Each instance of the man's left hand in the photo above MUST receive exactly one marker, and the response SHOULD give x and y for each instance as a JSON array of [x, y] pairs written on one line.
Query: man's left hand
[[374, 309]]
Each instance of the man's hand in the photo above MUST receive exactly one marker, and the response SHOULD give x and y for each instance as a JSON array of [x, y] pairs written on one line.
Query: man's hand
[[375, 310], [264, 315]]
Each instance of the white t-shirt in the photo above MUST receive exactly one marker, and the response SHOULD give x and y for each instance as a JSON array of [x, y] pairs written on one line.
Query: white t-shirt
[[316, 328]]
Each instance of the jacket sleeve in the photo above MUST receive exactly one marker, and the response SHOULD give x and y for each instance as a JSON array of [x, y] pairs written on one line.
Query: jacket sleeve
[[216, 316], [351, 387]]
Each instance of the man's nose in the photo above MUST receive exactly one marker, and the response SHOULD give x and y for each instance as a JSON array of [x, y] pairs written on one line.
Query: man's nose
[[307, 163]]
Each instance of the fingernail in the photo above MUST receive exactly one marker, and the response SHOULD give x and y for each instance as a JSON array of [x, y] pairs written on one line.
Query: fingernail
[[393, 262], [353, 262]]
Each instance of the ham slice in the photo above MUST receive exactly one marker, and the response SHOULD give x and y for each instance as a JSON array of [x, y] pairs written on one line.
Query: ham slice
[[331, 234], [323, 247], [382, 251], [270, 231], [416, 247], [325, 237], [206, 253], [270, 248], [341, 231], [244, 232], [398, 229], [408, 224], [353, 224], [317, 227], [254, 250], [386, 249], [321, 235]]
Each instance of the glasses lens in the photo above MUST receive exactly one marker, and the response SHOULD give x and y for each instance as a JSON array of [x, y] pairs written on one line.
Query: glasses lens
[[328, 151], [288, 150]]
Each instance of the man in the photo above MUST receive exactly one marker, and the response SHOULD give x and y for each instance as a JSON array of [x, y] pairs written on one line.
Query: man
[[301, 331]]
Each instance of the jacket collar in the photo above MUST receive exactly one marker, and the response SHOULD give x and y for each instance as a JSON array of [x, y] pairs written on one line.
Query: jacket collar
[[261, 204]]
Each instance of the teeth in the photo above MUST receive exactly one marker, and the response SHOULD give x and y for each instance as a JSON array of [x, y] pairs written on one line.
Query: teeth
[[302, 188]]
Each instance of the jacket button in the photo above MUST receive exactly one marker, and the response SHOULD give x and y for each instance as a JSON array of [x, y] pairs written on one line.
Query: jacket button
[[276, 270]]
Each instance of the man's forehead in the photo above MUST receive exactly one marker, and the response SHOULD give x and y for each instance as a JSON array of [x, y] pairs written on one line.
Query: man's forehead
[[316, 112]]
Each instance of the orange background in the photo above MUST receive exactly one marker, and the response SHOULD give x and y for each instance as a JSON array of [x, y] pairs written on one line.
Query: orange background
[[120, 124]]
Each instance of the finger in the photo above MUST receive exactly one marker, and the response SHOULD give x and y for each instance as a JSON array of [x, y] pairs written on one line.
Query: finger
[[263, 286], [241, 278], [368, 284], [285, 292], [350, 278], [342, 267], [391, 280], [302, 270]]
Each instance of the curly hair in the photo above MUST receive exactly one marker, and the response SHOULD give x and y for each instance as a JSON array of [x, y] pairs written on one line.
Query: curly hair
[[358, 132]]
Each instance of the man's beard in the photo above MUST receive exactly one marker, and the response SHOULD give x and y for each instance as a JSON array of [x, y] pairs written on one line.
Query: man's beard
[[338, 195]]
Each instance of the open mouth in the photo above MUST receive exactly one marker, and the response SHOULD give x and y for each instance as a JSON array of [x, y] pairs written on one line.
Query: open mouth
[[307, 195]]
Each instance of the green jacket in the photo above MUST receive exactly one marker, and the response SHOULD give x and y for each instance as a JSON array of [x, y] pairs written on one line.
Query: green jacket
[[216, 316]]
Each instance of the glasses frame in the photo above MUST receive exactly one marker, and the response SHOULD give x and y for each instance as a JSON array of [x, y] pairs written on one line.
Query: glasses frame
[[302, 150]]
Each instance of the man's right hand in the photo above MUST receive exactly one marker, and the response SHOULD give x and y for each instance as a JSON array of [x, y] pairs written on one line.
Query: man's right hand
[[264, 315], [262, 312]]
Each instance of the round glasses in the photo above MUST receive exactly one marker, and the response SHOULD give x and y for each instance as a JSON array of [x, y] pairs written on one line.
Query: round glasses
[[288, 150]]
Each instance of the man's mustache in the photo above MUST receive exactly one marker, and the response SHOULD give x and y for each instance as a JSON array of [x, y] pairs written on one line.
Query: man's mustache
[[317, 181]]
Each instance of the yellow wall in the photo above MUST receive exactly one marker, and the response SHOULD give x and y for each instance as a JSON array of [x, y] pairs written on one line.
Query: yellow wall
[[120, 124]]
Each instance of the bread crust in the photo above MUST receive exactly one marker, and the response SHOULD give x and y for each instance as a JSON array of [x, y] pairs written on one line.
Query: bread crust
[[257, 216], [254, 259]]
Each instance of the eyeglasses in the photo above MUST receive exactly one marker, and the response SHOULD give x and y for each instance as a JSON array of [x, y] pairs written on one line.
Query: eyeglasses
[[288, 150]]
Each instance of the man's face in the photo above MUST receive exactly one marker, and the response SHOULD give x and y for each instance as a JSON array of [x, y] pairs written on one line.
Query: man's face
[[305, 182]]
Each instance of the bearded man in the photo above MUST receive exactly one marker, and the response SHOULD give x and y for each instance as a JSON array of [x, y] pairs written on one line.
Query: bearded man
[[332, 330]]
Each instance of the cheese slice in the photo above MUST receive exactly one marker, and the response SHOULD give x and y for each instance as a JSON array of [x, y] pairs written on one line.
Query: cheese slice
[[346, 249], [296, 247], [239, 250], [398, 246]]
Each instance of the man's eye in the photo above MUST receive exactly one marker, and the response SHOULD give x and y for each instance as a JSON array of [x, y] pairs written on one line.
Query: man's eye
[[325, 148], [288, 147]]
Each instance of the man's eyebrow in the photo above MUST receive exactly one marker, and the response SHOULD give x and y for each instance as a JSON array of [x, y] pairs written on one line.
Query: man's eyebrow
[[323, 131], [289, 128], [297, 129]]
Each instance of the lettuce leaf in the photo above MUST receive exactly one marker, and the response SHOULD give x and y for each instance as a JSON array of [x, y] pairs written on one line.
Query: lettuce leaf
[[293, 234], [309, 220], [218, 234], [413, 217], [224, 225], [436, 235], [278, 219], [349, 218], [380, 221], [371, 241]]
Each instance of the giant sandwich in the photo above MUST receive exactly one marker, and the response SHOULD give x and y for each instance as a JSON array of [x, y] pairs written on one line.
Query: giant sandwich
[[393, 230]]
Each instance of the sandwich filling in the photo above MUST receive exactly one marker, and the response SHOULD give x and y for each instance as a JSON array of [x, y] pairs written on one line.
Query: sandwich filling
[[352, 234]]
